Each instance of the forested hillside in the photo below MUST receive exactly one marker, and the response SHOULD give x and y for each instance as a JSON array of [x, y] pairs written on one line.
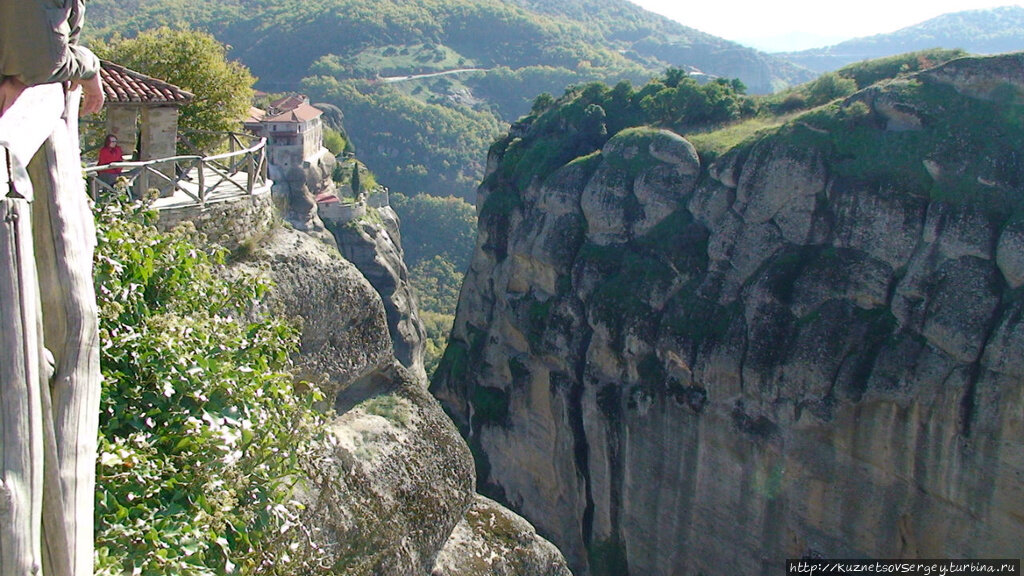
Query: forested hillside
[[430, 134]]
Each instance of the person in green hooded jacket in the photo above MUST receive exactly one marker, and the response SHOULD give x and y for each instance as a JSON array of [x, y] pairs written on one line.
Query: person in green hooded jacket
[[39, 45]]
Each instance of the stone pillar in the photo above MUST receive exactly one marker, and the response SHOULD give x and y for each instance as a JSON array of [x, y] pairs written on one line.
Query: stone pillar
[[159, 137], [123, 123]]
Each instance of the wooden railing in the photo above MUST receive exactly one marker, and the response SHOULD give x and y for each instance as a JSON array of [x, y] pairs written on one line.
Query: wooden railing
[[196, 176]]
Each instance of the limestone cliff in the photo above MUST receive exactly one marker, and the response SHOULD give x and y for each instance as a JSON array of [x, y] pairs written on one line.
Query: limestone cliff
[[393, 494], [811, 346], [296, 188], [374, 244]]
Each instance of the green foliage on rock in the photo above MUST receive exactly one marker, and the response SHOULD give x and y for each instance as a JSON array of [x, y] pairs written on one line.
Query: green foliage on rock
[[847, 80], [334, 141], [869, 72], [194, 61], [579, 123], [941, 154], [490, 406], [203, 437]]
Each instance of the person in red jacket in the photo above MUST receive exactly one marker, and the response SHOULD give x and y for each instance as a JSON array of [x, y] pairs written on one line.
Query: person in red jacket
[[110, 153]]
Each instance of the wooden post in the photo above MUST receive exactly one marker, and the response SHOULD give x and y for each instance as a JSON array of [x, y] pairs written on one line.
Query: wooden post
[[250, 164], [21, 487], [202, 181], [49, 343]]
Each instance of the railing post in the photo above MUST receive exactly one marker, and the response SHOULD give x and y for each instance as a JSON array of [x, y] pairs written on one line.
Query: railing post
[[202, 181], [250, 172]]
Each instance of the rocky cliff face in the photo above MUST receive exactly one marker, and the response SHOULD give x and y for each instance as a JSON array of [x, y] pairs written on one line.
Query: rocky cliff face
[[811, 346], [296, 188], [374, 244], [393, 494]]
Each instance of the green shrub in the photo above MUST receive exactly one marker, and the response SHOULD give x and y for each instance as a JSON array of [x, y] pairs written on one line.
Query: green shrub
[[334, 141], [829, 87], [202, 435], [868, 72]]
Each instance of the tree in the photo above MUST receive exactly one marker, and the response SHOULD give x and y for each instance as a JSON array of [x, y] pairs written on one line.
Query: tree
[[356, 185], [829, 87], [334, 141], [194, 61]]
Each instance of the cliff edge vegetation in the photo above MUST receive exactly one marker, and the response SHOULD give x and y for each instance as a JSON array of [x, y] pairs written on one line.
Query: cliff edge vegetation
[[255, 419]]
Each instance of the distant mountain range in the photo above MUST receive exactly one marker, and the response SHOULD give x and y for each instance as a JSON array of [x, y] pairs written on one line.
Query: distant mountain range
[[989, 31]]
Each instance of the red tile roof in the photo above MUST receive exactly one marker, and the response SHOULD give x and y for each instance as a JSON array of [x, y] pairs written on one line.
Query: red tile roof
[[289, 102], [304, 113], [124, 86]]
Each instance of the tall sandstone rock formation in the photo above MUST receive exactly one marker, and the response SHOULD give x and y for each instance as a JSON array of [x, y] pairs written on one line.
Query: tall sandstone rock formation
[[394, 491], [374, 246], [812, 346]]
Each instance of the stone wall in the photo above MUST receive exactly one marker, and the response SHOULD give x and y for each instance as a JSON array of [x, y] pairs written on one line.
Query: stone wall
[[227, 222], [341, 213]]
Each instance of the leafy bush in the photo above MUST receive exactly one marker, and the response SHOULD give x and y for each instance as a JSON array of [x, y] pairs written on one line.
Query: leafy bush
[[849, 79], [829, 87], [202, 435], [334, 141]]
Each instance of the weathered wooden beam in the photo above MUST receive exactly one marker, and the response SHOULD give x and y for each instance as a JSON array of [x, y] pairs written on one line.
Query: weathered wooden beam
[[21, 428], [65, 237], [49, 343], [25, 125]]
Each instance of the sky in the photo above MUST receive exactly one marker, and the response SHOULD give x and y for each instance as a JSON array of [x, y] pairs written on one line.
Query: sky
[[782, 25]]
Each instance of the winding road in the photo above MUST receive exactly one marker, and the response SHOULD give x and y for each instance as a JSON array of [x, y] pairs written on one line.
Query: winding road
[[392, 79]]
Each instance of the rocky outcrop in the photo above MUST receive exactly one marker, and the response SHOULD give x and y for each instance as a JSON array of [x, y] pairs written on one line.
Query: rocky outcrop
[[396, 480], [809, 348], [492, 540], [374, 244], [296, 189], [344, 336]]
